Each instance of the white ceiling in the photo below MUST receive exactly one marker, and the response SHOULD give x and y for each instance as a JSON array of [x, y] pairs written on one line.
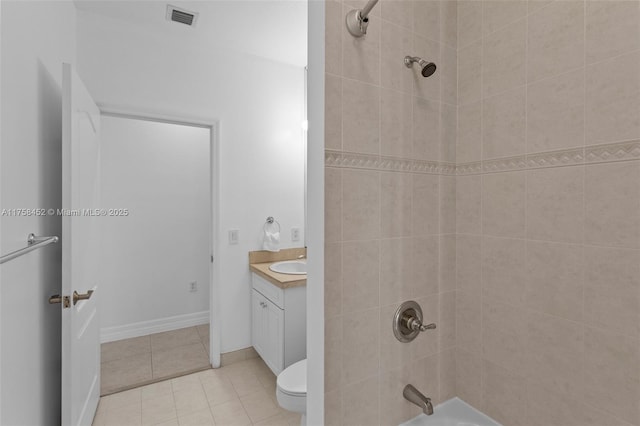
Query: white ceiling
[[273, 29]]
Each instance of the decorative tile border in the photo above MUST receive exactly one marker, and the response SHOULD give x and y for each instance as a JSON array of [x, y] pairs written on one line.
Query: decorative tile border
[[469, 168], [613, 152], [604, 153], [504, 164], [392, 164], [555, 158]]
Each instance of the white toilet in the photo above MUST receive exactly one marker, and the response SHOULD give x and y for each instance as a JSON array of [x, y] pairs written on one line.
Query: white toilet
[[292, 389]]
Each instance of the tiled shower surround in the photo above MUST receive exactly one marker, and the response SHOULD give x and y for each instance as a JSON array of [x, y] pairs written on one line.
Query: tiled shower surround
[[390, 136], [516, 226]]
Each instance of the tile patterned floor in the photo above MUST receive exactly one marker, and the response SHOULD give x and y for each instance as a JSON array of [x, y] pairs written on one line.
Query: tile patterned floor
[[235, 395], [141, 360]]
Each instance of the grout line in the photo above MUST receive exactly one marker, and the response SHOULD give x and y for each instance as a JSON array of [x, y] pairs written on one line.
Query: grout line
[[527, 173], [584, 200], [455, 209], [482, 126]]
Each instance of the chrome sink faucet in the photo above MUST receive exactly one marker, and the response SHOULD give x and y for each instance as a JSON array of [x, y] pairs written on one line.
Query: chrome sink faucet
[[414, 396]]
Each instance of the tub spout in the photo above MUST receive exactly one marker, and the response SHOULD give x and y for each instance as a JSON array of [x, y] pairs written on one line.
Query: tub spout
[[414, 396]]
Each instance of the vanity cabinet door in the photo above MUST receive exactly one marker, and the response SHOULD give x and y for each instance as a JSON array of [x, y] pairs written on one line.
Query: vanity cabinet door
[[275, 337], [258, 322], [268, 331]]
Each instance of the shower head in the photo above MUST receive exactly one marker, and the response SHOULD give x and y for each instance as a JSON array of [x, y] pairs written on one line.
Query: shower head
[[428, 68]]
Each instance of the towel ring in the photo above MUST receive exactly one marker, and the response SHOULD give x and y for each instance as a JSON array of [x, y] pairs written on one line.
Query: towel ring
[[271, 221]]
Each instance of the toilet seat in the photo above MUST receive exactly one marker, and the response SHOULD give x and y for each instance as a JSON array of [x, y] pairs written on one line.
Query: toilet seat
[[293, 380], [291, 389]]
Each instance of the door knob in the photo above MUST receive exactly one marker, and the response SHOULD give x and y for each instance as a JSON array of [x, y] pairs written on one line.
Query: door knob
[[77, 296]]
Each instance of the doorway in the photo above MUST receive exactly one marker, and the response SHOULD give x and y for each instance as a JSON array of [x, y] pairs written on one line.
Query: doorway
[[156, 250]]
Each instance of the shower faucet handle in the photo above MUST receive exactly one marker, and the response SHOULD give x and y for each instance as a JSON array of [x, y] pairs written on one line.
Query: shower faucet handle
[[416, 324], [407, 322]]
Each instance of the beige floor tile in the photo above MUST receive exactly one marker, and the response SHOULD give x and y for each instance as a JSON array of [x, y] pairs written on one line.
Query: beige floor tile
[[158, 409], [220, 393], [268, 380], [258, 365], [277, 420], [230, 413], [180, 359], [100, 417], [293, 418], [125, 348], [239, 369], [274, 398], [246, 385], [203, 331], [125, 415], [197, 418], [253, 354], [183, 383], [156, 389], [121, 421], [121, 399], [125, 372], [206, 343], [259, 406], [207, 397], [118, 375], [172, 422], [174, 338], [190, 400], [102, 406], [211, 376], [229, 358]]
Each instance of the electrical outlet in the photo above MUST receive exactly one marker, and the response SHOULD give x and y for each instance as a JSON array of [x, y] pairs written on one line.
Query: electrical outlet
[[193, 286], [295, 234], [234, 236]]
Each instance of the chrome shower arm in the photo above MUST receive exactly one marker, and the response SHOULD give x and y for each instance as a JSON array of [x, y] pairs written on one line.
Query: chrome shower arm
[[364, 13]]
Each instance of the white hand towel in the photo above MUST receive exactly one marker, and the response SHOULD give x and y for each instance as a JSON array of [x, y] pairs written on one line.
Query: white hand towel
[[271, 241]]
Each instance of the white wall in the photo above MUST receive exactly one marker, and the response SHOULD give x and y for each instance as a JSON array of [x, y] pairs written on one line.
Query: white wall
[[159, 172], [259, 104], [36, 38]]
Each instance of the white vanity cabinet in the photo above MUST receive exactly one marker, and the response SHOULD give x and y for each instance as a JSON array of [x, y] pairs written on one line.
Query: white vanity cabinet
[[279, 322]]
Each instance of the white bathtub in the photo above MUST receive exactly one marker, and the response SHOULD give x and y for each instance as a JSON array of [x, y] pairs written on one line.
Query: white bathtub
[[454, 412]]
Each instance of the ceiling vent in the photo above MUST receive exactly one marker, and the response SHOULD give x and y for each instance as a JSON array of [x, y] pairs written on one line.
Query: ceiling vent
[[181, 16]]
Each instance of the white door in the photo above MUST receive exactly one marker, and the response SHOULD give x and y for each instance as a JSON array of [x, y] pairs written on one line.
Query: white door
[[80, 242]]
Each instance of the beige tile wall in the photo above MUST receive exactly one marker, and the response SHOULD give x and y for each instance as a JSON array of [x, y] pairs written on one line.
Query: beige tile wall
[[548, 211], [533, 235], [390, 208]]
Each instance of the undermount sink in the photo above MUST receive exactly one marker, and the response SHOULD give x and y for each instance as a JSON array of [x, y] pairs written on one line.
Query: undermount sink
[[291, 267]]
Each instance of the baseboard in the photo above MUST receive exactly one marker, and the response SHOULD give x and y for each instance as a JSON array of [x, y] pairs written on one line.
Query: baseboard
[[228, 358], [144, 328]]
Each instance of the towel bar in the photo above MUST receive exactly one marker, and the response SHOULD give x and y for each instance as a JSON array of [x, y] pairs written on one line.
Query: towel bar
[[33, 243]]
